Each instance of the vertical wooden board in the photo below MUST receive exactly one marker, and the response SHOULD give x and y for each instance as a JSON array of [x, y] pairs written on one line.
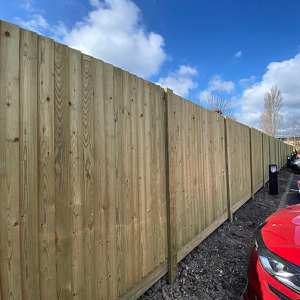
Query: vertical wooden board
[[222, 170], [228, 169], [171, 202], [88, 177], [218, 161], [120, 203], [171, 153], [194, 174], [205, 165], [62, 148], [135, 250], [180, 174], [187, 213], [76, 175], [191, 219], [161, 176], [101, 291], [28, 165], [183, 172], [200, 170], [46, 171], [149, 210], [111, 170], [175, 160], [213, 132], [10, 269], [201, 140], [209, 170], [126, 120], [154, 191], [142, 175]]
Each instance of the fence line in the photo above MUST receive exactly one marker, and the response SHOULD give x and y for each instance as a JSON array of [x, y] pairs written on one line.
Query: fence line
[[107, 180]]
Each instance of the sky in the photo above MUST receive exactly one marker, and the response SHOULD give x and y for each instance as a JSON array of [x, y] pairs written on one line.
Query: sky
[[195, 48]]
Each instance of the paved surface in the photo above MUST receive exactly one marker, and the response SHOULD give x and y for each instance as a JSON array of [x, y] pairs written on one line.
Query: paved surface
[[293, 196]]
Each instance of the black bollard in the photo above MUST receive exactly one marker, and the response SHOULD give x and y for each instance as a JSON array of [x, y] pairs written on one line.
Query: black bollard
[[288, 161], [273, 180]]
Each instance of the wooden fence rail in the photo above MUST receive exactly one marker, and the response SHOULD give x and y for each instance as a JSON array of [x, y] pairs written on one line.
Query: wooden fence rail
[[106, 180]]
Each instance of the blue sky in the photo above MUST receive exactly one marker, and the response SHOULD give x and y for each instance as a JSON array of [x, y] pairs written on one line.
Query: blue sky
[[193, 47]]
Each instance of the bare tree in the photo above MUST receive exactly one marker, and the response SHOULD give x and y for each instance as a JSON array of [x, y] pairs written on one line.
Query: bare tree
[[294, 131], [271, 120], [220, 102]]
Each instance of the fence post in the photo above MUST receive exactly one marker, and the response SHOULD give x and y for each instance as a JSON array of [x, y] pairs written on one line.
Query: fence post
[[228, 175], [171, 209], [251, 163]]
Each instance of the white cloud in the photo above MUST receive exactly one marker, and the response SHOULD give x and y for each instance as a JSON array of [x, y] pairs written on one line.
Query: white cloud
[[246, 82], [114, 33], [238, 54], [286, 76], [216, 83], [37, 24], [180, 81]]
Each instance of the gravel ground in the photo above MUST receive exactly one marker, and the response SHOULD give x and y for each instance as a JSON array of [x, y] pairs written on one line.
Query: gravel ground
[[217, 268]]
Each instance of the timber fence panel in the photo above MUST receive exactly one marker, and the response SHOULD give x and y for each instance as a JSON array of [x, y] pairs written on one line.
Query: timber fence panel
[[197, 171], [10, 260], [239, 178]]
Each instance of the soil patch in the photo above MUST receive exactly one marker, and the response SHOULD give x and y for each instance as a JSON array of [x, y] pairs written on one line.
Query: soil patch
[[217, 268]]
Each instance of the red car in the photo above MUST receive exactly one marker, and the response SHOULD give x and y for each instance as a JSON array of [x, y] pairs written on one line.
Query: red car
[[298, 156], [274, 264]]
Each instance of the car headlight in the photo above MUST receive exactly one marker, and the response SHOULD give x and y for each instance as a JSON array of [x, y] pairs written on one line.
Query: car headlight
[[280, 269]]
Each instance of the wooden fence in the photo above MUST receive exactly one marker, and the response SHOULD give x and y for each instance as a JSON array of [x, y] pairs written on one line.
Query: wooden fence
[[106, 180]]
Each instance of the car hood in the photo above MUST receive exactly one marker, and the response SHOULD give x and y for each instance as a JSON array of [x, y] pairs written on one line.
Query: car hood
[[281, 234]]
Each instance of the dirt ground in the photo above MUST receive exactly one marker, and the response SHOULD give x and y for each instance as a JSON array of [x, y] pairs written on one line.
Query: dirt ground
[[217, 268]]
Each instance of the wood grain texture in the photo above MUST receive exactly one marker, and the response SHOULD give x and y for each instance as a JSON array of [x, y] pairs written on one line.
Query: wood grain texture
[[172, 220], [46, 171], [121, 263], [62, 185], [10, 268], [88, 175], [100, 183], [134, 215], [142, 175], [111, 171], [76, 175], [29, 165]]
